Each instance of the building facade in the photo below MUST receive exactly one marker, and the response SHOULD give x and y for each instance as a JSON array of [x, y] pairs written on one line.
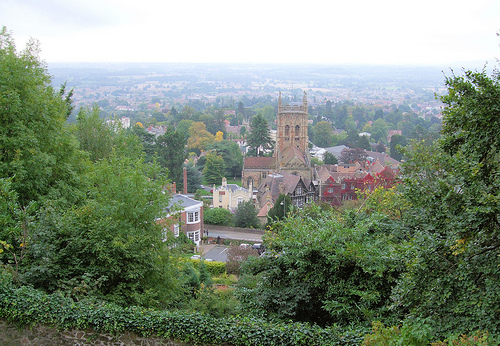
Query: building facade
[[229, 196]]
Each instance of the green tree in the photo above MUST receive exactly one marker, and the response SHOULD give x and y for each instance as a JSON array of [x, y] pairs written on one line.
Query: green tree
[[213, 172], [259, 139], [329, 158], [246, 215], [36, 147], [453, 189], [194, 178], [94, 135], [396, 142], [170, 148], [323, 134], [233, 158], [111, 241], [282, 207], [325, 270], [218, 216]]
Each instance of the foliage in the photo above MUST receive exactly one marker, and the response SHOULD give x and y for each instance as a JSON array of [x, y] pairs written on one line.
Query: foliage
[[259, 140], [231, 153], [213, 267], [199, 137], [213, 172], [351, 155], [329, 159], [194, 178], [326, 269], [236, 255], [282, 207], [27, 306], [323, 134], [93, 134], [36, 147], [218, 216], [246, 215], [170, 148], [417, 334], [395, 150], [453, 189], [112, 238]]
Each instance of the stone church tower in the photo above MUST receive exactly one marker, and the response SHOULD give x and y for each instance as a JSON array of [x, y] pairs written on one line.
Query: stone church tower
[[292, 141]]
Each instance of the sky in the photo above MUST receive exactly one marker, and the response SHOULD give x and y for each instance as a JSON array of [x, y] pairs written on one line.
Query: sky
[[383, 32]]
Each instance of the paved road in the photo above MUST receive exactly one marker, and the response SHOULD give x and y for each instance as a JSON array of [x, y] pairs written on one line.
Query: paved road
[[214, 252], [233, 235]]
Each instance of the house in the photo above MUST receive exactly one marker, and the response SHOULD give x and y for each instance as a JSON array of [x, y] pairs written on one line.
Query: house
[[300, 190], [229, 196], [184, 214]]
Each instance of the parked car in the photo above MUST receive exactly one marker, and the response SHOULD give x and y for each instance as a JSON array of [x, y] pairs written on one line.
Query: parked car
[[259, 247]]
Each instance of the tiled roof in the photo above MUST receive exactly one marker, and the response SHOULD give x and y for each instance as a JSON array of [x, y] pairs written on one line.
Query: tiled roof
[[259, 162]]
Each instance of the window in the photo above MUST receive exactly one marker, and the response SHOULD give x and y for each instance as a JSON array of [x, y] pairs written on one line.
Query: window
[[330, 190], [220, 198], [240, 200], [193, 216], [343, 186], [194, 236], [287, 130], [176, 230], [298, 190], [297, 131]]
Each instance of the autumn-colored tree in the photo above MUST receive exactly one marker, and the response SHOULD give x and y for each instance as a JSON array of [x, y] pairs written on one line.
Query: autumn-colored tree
[[199, 137]]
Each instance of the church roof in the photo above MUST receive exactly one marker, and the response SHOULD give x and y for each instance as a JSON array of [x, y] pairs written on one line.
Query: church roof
[[259, 162], [292, 152]]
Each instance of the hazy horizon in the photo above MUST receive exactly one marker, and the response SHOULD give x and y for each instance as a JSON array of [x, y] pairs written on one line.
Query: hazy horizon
[[389, 32]]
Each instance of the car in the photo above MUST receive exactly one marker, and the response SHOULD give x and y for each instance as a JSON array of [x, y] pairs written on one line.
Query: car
[[196, 257], [259, 247]]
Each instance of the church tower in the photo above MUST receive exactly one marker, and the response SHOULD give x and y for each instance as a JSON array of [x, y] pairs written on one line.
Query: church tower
[[292, 141], [292, 126]]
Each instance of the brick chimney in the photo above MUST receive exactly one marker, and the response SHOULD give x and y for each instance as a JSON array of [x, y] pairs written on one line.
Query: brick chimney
[[185, 181]]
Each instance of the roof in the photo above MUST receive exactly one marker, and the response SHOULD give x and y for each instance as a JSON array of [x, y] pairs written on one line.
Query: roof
[[259, 162], [291, 153], [183, 202]]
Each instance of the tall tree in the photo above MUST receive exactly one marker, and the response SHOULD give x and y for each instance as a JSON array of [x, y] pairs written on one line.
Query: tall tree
[[214, 169], [94, 135], [36, 147], [199, 137], [453, 187], [233, 158], [323, 134], [246, 215], [259, 139], [170, 148]]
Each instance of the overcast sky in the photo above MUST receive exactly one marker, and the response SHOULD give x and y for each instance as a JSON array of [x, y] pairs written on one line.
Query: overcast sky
[[437, 32]]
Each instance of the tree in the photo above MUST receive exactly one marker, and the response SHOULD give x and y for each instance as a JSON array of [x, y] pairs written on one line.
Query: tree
[[231, 153], [214, 169], [218, 216], [93, 133], [453, 189], [329, 158], [364, 143], [280, 210], [36, 147], [246, 215], [199, 137], [323, 134], [170, 148], [324, 269], [194, 178], [396, 142], [259, 139], [351, 155], [111, 243]]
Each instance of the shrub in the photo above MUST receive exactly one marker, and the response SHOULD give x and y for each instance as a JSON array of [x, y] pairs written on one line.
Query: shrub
[[218, 216]]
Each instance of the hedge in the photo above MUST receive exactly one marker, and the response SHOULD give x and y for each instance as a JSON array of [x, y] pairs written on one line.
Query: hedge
[[26, 306]]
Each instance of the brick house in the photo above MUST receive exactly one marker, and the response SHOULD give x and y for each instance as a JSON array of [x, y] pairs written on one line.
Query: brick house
[[185, 214]]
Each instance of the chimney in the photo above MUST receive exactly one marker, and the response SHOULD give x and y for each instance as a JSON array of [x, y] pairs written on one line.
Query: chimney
[[185, 181]]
